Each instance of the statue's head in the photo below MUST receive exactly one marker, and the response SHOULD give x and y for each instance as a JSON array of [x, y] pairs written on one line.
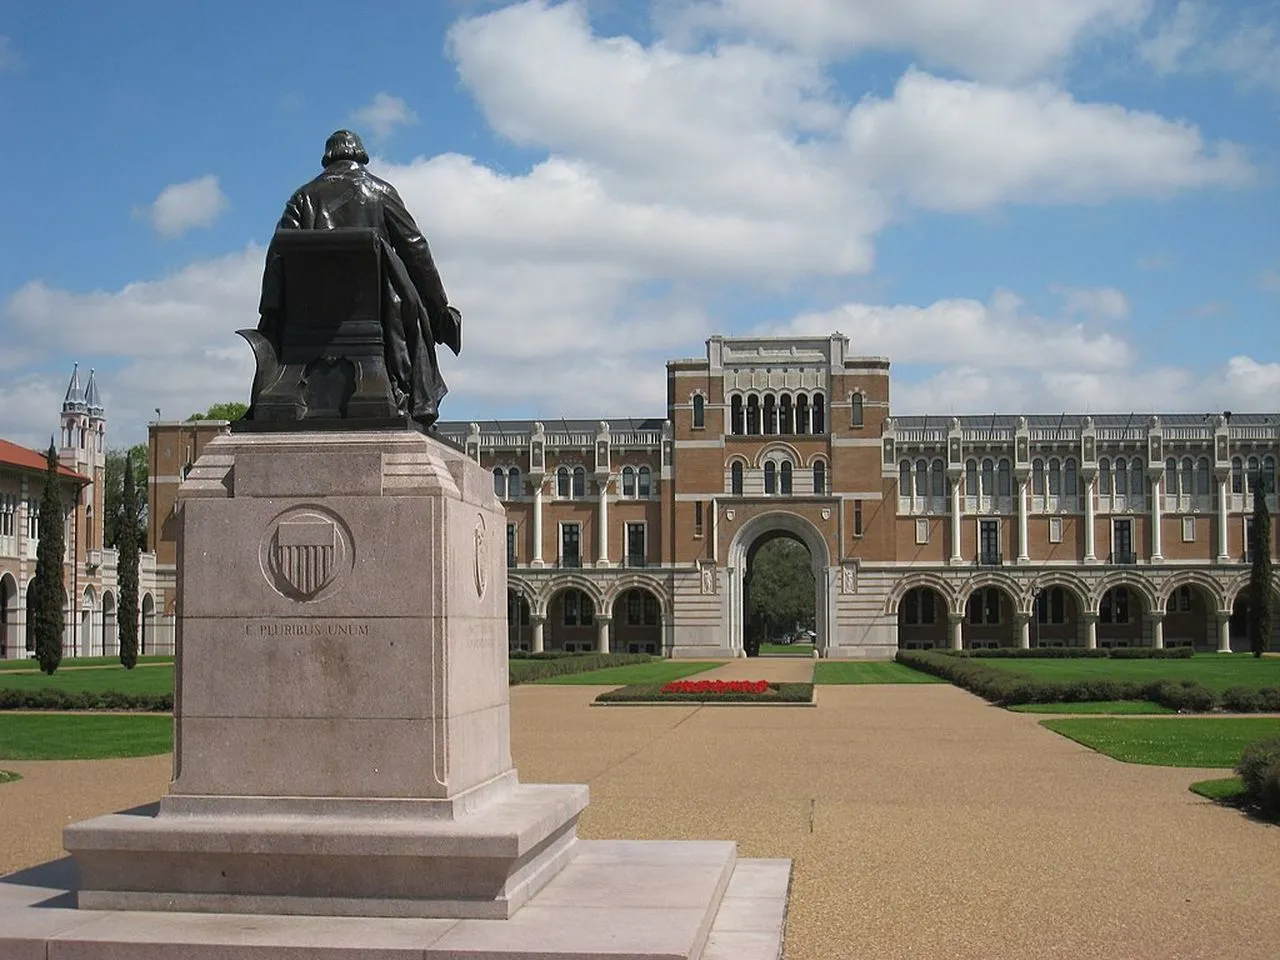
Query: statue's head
[[344, 145]]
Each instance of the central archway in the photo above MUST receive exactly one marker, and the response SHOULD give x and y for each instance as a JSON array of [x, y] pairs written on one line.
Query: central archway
[[751, 536]]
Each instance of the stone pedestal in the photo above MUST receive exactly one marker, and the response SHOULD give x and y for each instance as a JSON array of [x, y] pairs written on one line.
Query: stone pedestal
[[342, 733], [342, 765]]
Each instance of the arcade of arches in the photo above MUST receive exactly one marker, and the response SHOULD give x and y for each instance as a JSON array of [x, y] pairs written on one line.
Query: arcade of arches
[[573, 623], [1055, 615]]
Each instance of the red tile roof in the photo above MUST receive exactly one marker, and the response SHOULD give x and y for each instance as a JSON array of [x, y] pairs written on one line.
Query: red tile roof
[[12, 455]]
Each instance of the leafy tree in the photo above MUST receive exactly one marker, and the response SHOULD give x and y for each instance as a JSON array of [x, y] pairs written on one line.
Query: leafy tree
[[48, 593], [780, 589], [230, 410], [1261, 601], [113, 512], [127, 571]]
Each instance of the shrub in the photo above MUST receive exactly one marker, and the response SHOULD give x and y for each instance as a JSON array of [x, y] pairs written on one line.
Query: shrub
[[1242, 700], [46, 698], [1187, 695], [560, 666], [1151, 653], [1036, 653], [1259, 768]]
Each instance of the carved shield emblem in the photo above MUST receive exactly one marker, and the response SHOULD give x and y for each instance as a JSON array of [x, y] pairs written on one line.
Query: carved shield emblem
[[305, 552]]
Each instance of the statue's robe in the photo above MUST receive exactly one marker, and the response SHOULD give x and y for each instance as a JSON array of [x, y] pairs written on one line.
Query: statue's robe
[[415, 311]]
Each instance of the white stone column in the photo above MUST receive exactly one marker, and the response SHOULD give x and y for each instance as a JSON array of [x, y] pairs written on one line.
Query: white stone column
[[602, 555], [537, 524], [1024, 631], [1023, 557], [1156, 554], [1091, 631], [1222, 520], [602, 634], [957, 509], [1089, 553], [1224, 632], [1157, 630], [956, 622], [538, 623]]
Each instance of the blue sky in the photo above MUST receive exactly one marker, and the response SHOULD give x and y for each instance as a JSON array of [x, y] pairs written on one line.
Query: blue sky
[[1028, 205]]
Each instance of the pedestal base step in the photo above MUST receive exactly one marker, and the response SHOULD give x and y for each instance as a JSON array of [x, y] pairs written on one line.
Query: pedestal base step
[[639, 900]]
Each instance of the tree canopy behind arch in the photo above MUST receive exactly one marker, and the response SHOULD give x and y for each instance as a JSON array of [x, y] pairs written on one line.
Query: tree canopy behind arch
[[228, 410], [780, 589]]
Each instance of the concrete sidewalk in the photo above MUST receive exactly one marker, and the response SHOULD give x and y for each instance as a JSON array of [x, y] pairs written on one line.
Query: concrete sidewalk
[[773, 669]]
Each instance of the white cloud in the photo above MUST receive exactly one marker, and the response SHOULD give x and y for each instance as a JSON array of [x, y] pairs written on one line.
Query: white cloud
[[955, 145], [181, 206], [11, 60], [383, 114], [999, 40], [1198, 38], [1101, 304]]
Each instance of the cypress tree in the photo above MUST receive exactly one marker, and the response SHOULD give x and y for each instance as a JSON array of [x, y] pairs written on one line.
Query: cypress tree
[[48, 593], [127, 568], [1261, 600]]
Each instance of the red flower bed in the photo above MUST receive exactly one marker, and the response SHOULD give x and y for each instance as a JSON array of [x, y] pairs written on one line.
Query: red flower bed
[[716, 686]]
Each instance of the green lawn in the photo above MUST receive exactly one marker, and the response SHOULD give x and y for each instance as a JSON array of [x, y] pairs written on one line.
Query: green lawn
[[868, 671], [85, 736], [1227, 788], [787, 649], [656, 671], [1172, 742], [69, 663], [149, 679], [1217, 671], [1094, 706]]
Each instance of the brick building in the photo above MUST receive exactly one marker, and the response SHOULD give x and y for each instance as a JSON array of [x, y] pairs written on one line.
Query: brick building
[[922, 531], [89, 566]]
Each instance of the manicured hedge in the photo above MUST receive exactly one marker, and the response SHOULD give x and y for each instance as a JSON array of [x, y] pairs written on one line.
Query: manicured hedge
[[1259, 768], [1006, 689], [541, 666], [1074, 653], [51, 698], [652, 693]]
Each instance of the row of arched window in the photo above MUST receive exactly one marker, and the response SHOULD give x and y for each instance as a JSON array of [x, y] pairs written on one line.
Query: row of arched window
[[1188, 478], [1121, 477], [928, 478], [776, 414], [571, 483], [1253, 469], [778, 477]]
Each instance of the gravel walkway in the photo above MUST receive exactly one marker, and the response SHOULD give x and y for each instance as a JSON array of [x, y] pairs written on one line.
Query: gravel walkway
[[923, 822], [773, 669]]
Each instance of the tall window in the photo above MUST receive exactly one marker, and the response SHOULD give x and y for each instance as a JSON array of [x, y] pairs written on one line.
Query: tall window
[[1137, 483], [989, 542], [514, 489], [802, 413], [1237, 475], [1114, 607], [753, 414], [1104, 476], [937, 479], [922, 479], [770, 477], [786, 416], [1055, 477], [857, 518], [579, 481], [770, 414], [643, 484], [735, 478], [628, 482], [33, 520], [1122, 540], [1037, 477], [1122, 477], [499, 482], [904, 478], [697, 518], [699, 410], [511, 544], [579, 611], [1171, 478], [819, 477], [1188, 475], [1070, 483], [1051, 606], [971, 478], [570, 545], [562, 482], [785, 472], [735, 415], [819, 414], [1202, 477], [988, 477], [1004, 480], [984, 606], [635, 545], [857, 410]]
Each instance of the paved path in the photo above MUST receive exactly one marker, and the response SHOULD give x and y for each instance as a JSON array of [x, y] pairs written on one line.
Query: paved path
[[773, 669], [923, 822]]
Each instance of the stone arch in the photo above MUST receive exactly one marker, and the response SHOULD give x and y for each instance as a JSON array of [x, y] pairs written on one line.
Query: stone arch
[[523, 587], [1123, 578], [774, 448], [8, 615], [632, 581], [562, 583], [1196, 578], [991, 578], [110, 632], [1239, 586], [913, 580], [1060, 578], [85, 633], [759, 529], [147, 624]]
